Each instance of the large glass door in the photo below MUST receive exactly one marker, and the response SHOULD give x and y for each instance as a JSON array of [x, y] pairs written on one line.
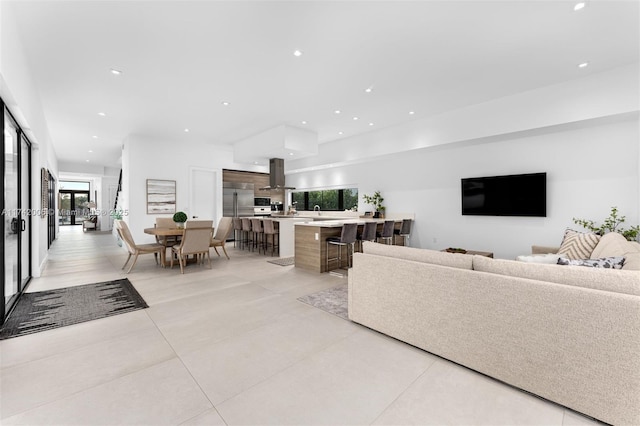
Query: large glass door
[[11, 217], [16, 208], [74, 206]]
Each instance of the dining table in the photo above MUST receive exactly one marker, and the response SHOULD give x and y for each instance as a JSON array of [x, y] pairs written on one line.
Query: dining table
[[163, 233]]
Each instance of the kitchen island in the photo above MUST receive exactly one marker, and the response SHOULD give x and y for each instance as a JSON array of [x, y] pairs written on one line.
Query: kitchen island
[[311, 240]]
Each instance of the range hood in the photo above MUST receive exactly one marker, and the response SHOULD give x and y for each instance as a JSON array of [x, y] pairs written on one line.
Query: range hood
[[276, 176]]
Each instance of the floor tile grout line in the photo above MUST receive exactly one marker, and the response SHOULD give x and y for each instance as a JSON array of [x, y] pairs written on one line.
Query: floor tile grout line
[[405, 390], [189, 371]]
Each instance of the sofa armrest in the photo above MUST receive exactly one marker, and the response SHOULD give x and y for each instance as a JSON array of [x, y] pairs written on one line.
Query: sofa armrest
[[544, 249]]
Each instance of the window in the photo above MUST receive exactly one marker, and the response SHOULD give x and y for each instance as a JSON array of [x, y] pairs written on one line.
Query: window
[[328, 199]]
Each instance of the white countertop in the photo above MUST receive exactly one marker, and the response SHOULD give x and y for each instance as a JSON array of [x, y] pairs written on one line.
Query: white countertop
[[339, 223]]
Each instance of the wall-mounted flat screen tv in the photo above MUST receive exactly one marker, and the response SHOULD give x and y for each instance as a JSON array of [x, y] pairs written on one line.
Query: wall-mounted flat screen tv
[[512, 195]]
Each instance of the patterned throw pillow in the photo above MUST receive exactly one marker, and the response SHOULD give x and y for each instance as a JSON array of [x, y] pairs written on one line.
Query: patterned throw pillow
[[578, 245], [603, 262]]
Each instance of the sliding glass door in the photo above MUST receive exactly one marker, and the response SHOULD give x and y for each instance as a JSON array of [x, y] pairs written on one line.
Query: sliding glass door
[[16, 209]]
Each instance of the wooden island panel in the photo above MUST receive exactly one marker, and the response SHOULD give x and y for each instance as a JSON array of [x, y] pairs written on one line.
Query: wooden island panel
[[311, 254]]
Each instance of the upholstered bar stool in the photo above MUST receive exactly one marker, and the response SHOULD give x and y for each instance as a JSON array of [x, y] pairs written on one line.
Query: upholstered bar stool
[[347, 239], [270, 230], [404, 231], [368, 233], [246, 231], [237, 231], [258, 233], [387, 232]]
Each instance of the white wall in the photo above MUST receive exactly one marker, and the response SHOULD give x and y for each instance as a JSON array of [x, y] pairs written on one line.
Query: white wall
[[588, 170], [21, 96], [146, 158]]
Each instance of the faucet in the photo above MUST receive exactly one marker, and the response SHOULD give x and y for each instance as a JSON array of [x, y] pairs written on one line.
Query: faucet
[[316, 207]]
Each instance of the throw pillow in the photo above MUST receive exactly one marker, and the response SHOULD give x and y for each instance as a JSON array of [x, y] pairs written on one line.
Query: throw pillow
[[603, 262], [578, 245], [540, 258]]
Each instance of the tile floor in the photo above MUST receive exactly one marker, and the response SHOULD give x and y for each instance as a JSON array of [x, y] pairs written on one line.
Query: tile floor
[[232, 345]]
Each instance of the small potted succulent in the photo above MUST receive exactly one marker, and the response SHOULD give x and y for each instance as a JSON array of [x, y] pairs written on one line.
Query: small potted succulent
[[180, 218]]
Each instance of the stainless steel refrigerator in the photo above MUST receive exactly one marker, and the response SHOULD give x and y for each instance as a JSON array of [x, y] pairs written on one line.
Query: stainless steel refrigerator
[[237, 199]]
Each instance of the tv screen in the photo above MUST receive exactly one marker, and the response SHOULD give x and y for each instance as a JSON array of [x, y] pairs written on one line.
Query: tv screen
[[512, 195]]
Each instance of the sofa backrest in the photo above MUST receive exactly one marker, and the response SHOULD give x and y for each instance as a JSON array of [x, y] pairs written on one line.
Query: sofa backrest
[[614, 244], [619, 281], [454, 260]]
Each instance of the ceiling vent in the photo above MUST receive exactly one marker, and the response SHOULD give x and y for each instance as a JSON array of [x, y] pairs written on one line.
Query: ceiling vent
[[276, 175]]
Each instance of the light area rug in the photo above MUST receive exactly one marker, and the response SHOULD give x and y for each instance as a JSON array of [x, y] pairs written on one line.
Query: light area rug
[[332, 300], [45, 310], [285, 261]]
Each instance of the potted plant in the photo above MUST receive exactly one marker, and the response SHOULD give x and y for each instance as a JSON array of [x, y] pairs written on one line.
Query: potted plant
[[180, 218], [376, 201], [610, 224]]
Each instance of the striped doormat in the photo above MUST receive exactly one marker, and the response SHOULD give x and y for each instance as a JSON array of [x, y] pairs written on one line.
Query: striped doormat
[[45, 310]]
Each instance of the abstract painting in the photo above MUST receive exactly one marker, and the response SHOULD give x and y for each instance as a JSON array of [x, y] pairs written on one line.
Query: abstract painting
[[161, 196]]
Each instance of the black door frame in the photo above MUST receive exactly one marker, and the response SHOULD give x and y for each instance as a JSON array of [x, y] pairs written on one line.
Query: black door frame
[[72, 206], [23, 282]]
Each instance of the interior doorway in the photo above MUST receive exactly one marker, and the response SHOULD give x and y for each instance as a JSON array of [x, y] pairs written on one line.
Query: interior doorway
[[73, 202]]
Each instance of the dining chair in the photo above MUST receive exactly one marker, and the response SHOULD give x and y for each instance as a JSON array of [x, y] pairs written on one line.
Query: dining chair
[[225, 226], [195, 241], [166, 241], [135, 249]]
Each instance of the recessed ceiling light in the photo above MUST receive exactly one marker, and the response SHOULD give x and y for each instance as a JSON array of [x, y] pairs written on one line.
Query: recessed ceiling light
[[94, 137], [291, 153], [225, 103], [297, 53], [370, 124], [186, 130], [337, 111], [87, 161], [303, 122], [115, 71], [90, 150], [339, 133], [579, 6], [583, 65], [369, 89], [411, 112], [255, 162], [102, 114], [355, 118]]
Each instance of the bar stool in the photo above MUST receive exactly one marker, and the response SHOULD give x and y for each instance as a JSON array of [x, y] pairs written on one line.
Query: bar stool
[[246, 230], [404, 231], [387, 232], [347, 239], [368, 233], [258, 233], [237, 231], [269, 229]]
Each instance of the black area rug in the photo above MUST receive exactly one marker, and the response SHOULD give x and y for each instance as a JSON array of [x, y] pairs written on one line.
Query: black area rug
[[285, 261], [332, 300], [45, 310]]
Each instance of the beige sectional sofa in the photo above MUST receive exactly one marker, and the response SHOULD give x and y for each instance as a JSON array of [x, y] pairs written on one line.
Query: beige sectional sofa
[[570, 334]]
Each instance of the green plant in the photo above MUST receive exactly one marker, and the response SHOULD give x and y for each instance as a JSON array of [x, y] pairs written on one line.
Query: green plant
[[610, 224], [180, 217], [375, 200]]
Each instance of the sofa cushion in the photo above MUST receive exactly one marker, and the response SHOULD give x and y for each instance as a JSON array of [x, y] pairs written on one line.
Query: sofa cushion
[[619, 281], [578, 245], [614, 244], [615, 262], [455, 260]]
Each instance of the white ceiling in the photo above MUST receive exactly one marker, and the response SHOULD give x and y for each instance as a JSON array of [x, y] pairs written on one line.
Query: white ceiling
[[182, 59]]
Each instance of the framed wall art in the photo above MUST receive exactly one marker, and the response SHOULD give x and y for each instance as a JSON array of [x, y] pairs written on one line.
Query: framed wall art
[[161, 196]]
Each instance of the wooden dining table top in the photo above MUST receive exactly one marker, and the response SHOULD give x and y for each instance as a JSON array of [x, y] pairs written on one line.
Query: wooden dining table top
[[165, 232]]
